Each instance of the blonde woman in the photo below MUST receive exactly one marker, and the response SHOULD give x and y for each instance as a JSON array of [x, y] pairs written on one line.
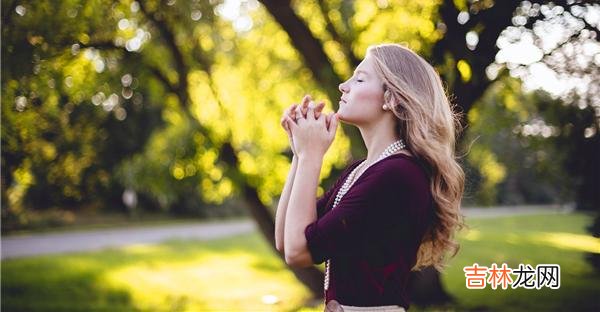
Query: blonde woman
[[391, 213]]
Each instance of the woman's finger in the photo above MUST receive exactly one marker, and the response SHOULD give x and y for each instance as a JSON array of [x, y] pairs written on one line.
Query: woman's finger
[[290, 108], [333, 126], [328, 120], [285, 125], [299, 114], [310, 113], [288, 112], [319, 109], [305, 102], [292, 111], [291, 124]]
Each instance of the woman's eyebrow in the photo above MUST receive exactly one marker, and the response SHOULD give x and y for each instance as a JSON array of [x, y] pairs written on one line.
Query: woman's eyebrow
[[360, 71]]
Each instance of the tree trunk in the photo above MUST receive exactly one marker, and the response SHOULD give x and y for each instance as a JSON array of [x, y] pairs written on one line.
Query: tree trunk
[[311, 50], [425, 288], [311, 277], [496, 18]]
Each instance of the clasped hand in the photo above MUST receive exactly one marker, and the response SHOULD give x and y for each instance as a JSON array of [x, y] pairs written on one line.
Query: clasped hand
[[310, 132]]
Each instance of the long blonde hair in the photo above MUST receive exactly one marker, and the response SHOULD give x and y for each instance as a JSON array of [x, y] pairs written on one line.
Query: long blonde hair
[[428, 123]]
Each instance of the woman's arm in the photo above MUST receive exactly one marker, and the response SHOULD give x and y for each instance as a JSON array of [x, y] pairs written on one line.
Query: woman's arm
[[289, 183], [301, 211], [283, 204]]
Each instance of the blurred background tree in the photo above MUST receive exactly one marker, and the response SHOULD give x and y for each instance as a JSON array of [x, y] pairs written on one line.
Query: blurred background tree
[[179, 101]]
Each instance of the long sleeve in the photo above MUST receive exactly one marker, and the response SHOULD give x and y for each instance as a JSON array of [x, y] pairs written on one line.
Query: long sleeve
[[386, 194], [328, 196]]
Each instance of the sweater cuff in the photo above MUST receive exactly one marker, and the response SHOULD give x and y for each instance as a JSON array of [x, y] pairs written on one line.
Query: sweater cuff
[[315, 243]]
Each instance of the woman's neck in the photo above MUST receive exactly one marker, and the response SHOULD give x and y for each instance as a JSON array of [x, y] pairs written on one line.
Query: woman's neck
[[377, 138]]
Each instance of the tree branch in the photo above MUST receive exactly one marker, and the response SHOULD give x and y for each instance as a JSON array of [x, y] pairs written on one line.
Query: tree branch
[[344, 43], [169, 38], [109, 45], [494, 20], [307, 45], [8, 11]]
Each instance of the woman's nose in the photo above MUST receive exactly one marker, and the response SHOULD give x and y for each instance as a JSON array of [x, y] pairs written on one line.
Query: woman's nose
[[342, 87]]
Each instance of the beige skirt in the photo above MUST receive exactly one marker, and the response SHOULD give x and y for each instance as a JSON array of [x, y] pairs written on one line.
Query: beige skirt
[[334, 306], [390, 308]]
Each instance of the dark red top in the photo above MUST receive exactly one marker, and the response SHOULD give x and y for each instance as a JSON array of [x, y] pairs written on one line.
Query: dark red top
[[373, 235]]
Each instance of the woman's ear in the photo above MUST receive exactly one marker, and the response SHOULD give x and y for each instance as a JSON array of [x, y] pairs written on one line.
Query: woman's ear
[[388, 99]]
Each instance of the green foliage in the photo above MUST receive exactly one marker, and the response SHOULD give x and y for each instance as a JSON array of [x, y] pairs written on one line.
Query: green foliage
[[530, 148], [69, 114], [58, 144], [516, 166], [99, 96]]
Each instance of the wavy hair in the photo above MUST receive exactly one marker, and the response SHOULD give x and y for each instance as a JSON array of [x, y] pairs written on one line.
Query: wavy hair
[[428, 123]]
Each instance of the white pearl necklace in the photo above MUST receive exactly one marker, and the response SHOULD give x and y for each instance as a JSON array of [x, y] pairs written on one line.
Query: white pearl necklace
[[391, 149]]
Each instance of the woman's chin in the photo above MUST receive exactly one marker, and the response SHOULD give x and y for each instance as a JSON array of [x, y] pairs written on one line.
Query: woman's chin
[[349, 118], [346, 115], [343, 117], [342, 111]]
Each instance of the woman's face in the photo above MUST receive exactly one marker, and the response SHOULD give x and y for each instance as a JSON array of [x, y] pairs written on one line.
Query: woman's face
[[362, 95]]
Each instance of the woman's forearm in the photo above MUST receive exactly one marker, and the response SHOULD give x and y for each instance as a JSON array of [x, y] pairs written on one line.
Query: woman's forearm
[[301, 211], [283, 204]]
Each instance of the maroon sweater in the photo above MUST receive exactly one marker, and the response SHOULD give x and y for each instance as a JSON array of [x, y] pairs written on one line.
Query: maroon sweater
[[373, 235]]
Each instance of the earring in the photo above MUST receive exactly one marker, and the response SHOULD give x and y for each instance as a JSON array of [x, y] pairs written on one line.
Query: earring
[[385, 107]]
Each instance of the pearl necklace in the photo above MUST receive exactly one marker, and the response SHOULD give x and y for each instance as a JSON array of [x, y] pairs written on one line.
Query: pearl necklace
[[391, 149]]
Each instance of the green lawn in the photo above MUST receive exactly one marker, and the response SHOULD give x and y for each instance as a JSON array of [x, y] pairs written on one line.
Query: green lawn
[[539, 239], [243, 273]]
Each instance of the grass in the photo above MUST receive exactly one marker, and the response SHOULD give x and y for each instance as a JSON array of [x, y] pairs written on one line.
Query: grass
[[537, 239], [243, 273], [178, 275]]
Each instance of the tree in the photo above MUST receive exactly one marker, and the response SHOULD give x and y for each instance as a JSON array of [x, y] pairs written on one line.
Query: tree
[[167, 77], [62, 129]]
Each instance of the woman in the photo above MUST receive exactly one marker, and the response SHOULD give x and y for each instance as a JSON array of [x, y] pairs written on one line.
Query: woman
[[391, 213]]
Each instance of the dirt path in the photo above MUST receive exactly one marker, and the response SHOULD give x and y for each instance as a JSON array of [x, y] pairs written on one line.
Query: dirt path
[[51, 243]]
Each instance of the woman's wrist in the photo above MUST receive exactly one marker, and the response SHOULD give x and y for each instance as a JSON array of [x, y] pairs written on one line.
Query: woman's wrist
[[310, 159]]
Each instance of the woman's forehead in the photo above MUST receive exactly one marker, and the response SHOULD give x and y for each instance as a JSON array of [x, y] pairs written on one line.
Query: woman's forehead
[[365, 66]]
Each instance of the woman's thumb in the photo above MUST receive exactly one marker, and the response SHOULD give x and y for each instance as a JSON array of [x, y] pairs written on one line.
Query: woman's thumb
[[291, 124], [333, 124]]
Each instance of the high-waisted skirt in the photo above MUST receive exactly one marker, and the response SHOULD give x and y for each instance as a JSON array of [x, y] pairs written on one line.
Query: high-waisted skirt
[[334, 306]]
